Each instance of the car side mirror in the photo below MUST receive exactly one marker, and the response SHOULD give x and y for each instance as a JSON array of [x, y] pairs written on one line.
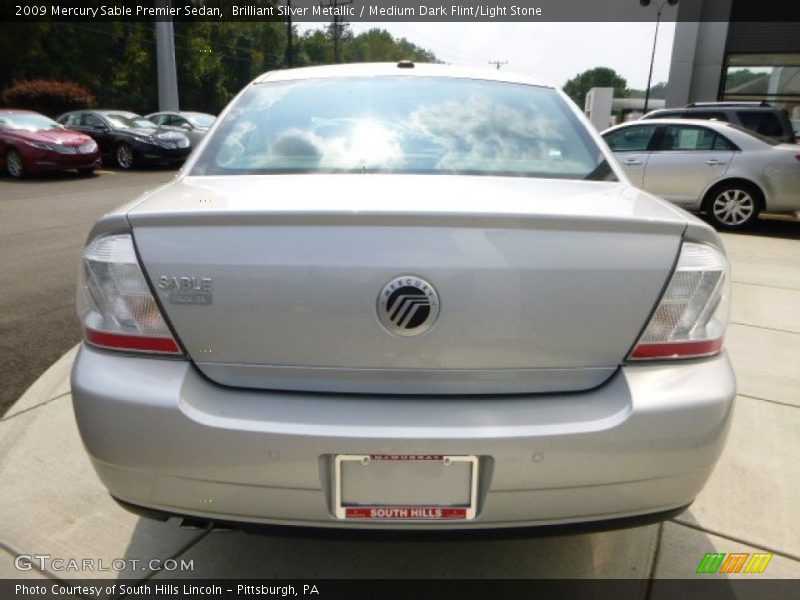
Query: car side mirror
[[187, 126]]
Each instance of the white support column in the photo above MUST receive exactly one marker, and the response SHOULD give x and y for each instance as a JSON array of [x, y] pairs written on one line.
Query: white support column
[[165, 59], [698, 53]]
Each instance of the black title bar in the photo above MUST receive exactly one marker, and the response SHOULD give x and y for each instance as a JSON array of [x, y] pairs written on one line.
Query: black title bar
[[398, 10]]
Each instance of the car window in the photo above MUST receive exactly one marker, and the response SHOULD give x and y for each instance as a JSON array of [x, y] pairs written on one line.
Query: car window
[[686, 138], [403, 125], [90, 120], [762, 138], [763, 122], [630, 139], [178, 121], [73, 120], [128, 121], [158, 119], [723, 143]]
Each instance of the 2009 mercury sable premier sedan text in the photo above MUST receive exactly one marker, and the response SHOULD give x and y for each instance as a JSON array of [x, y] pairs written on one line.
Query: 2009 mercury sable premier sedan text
[[403, 296]]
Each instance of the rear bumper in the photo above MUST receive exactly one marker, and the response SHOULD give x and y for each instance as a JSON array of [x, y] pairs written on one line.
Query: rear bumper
[[163, 437]]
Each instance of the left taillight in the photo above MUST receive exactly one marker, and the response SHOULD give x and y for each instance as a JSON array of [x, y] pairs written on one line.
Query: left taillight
[[115, 304]]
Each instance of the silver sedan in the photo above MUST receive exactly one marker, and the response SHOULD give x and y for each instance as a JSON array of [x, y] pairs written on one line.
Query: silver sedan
[[194, 125], [725, 171], [403, 296]]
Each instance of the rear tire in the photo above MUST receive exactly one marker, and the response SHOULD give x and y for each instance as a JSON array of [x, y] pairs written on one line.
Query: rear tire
[[14, 164], [124, 156], [733, 206]]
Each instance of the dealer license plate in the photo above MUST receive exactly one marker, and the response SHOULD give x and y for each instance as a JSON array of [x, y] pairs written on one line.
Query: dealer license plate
[[405, 487]]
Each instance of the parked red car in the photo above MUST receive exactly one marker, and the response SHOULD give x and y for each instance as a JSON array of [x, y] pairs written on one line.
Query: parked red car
[[33, 143]]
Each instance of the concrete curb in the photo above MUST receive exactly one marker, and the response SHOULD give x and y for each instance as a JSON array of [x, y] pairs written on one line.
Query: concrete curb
[[52, 384]]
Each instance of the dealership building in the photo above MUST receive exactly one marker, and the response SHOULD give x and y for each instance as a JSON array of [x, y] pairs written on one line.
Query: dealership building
[[738, 50]]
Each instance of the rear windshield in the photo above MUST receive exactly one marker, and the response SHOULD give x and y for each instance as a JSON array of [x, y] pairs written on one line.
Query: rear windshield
[[402, 125]]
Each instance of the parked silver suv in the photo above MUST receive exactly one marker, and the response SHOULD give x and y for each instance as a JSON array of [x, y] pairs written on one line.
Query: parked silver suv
[[761, 117]]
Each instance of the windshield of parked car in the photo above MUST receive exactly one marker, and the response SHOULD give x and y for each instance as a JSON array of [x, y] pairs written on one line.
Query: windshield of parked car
[[128, 121], [27, 122], [403, 125], [200, 119]]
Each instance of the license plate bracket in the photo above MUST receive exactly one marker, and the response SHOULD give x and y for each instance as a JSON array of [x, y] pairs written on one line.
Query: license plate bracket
[[405, 487]]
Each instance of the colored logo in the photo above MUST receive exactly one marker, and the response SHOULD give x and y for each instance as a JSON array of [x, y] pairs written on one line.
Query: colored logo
[[735, 562]]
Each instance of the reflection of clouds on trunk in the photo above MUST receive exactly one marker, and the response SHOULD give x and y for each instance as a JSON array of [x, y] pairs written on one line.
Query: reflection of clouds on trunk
[[479, 134]]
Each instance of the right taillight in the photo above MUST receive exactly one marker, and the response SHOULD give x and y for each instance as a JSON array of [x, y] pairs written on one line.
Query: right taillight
[[692, 315], [115, 304]]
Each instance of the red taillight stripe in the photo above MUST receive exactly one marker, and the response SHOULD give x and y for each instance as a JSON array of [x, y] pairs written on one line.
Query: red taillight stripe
[[132, 342], [678, 349]]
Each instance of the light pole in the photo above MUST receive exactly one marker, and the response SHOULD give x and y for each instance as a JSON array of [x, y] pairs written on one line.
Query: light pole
[[659, 7]]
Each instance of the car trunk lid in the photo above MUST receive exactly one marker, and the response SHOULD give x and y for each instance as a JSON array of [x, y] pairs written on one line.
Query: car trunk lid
[[275, 281]]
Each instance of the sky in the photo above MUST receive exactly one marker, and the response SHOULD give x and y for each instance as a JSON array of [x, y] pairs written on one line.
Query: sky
[[553, 52]]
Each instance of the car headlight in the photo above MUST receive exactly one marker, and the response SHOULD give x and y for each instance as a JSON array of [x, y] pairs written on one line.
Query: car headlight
[[88, 147], [172, 140]]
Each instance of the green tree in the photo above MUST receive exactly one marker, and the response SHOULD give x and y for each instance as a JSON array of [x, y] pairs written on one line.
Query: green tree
[[116, 60], [314, 48], [658, 90], [738, 77], [379, 45], [577, 87]]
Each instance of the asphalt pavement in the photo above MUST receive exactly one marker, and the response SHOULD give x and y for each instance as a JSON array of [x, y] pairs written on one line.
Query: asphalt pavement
[[44, 222]]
